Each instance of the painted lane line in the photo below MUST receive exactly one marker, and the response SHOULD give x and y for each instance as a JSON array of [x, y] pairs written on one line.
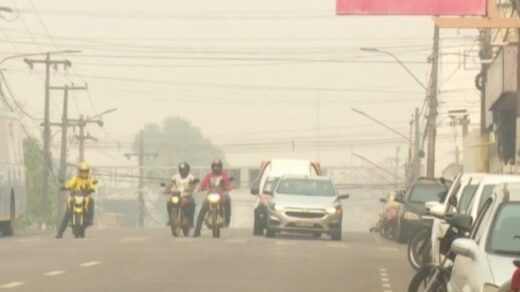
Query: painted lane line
[[388, 248], [384, 274], [90, 264], [386, 285], [54, 273], [384, 279], [12, 285], [382, 270], [236, 240], [285, 243], [337, 245], [134, 239]]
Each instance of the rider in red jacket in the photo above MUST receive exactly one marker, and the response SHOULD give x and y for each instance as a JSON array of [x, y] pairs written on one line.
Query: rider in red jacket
[[215, 177]]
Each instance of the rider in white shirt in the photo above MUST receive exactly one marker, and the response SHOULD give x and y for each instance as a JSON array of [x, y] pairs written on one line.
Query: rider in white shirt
[[185, 183]]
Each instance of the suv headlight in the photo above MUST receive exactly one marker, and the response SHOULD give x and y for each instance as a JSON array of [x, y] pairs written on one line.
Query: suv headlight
[[332, 210], [488, 287], [278, 208], [411, 216]]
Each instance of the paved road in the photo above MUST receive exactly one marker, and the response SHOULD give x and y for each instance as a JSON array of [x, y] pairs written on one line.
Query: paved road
[[152, 260]]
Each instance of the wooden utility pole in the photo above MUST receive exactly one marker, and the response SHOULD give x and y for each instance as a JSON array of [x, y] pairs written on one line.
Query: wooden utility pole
[[141, 155], [417, 147], [433, 105], [64, 127], [46, 164]]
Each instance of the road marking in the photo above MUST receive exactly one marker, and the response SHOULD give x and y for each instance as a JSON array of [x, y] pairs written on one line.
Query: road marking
[[388, 248], [54, 273], [134, 239], [285, 242], [90, 264], [236, 240], [386, 285], [12, 285], [338, 245], [385, 280]]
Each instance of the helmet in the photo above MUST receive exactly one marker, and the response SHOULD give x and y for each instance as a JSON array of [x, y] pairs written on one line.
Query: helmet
[[83, 169], [184, 169], [216, 166]]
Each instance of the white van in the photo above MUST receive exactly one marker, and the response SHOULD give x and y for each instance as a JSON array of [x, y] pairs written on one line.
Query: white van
[[270, 172]]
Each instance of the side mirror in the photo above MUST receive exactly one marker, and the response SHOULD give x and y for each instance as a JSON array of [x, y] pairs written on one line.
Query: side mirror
[[438, 211], [383, 200], [344, 196], [163, 185], [464, 247], [399, 199], [95, 182], [462, 222], [255, 191], [429, 205]]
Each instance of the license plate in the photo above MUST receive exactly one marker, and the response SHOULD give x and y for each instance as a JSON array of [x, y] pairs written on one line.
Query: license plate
[[304, 224]]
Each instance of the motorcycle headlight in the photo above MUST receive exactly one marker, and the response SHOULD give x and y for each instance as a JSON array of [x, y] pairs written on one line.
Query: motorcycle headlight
[[175, 199], [278, 208], [213, 198], [331, 210], [411, 216], [78, 200]]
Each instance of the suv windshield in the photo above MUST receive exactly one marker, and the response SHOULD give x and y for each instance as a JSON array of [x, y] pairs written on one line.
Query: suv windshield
[[306, 187], [422, 193], [505, 234]]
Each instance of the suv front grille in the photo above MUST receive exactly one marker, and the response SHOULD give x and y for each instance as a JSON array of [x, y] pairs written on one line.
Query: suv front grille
[[306, 214]]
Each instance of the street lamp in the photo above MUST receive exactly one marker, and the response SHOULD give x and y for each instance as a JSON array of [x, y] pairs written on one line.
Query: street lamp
[[382, 124], [376, 50]]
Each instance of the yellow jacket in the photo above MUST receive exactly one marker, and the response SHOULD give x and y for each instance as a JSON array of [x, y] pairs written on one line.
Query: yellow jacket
[[77, 183]]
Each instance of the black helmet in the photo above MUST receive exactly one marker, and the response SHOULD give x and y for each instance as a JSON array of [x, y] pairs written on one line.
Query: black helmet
[[184, 169], [216, 165]]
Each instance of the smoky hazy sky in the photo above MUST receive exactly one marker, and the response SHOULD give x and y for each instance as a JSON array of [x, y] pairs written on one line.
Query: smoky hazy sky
[[257, 77]]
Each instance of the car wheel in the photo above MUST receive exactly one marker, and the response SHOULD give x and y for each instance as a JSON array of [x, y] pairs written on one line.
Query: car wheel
[[269, 233], [336, 236], [258, 229]]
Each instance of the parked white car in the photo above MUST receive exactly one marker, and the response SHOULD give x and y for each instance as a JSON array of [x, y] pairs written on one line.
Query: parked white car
[[464, 186], [484, 261]]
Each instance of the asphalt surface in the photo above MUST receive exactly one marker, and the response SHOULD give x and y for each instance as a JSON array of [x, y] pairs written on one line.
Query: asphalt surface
[[152, 260]]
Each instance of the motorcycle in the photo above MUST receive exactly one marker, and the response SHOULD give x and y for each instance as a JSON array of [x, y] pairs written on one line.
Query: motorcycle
[[179, 218], [214, 219], [78, 203], [434, 278], [387, 221]]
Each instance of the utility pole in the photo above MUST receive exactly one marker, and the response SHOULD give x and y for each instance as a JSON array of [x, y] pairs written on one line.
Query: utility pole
[[433, 104], [417, 148], [64, 126], [140, 198], [486, 53], [46, 164], [397, 163], [82, 123]]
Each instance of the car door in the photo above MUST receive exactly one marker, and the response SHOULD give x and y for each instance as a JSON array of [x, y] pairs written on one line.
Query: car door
[[465, 272]]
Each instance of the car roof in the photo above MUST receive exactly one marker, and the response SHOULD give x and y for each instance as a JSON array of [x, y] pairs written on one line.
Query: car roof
[[323, 178], [499, 179]]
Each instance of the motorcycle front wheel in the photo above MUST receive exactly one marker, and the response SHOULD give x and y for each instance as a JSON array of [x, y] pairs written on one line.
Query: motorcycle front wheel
[[175, 222], [428, 276], [214, 223]]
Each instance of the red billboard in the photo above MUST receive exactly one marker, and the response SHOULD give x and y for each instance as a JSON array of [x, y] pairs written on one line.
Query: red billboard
[[411, 7]]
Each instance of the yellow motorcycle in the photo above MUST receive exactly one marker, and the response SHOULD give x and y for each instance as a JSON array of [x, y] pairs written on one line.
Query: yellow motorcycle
[[78, 203]]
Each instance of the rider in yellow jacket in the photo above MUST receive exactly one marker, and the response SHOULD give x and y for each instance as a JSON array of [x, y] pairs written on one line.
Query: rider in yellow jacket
[[81, 181]]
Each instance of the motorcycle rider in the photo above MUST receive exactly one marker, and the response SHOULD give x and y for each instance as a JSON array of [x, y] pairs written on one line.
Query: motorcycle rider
[[83, 180], [184, 180], [217, 172]]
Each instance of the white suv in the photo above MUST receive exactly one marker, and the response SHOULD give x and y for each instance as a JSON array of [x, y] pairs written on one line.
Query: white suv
[[485, 259]]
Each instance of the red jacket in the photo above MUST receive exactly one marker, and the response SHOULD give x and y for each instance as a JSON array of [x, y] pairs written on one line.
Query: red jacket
[[515, 282], [213, 178]]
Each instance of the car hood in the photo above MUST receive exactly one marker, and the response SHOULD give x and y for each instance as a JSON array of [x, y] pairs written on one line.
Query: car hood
[[501, 267], [298, 201]]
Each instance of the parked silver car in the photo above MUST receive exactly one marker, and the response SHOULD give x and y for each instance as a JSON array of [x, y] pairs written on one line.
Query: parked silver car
[[305, 205], [484, 260]]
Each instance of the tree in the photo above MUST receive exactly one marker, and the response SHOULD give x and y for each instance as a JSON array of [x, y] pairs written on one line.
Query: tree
[[176, 141], [33, 159]]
